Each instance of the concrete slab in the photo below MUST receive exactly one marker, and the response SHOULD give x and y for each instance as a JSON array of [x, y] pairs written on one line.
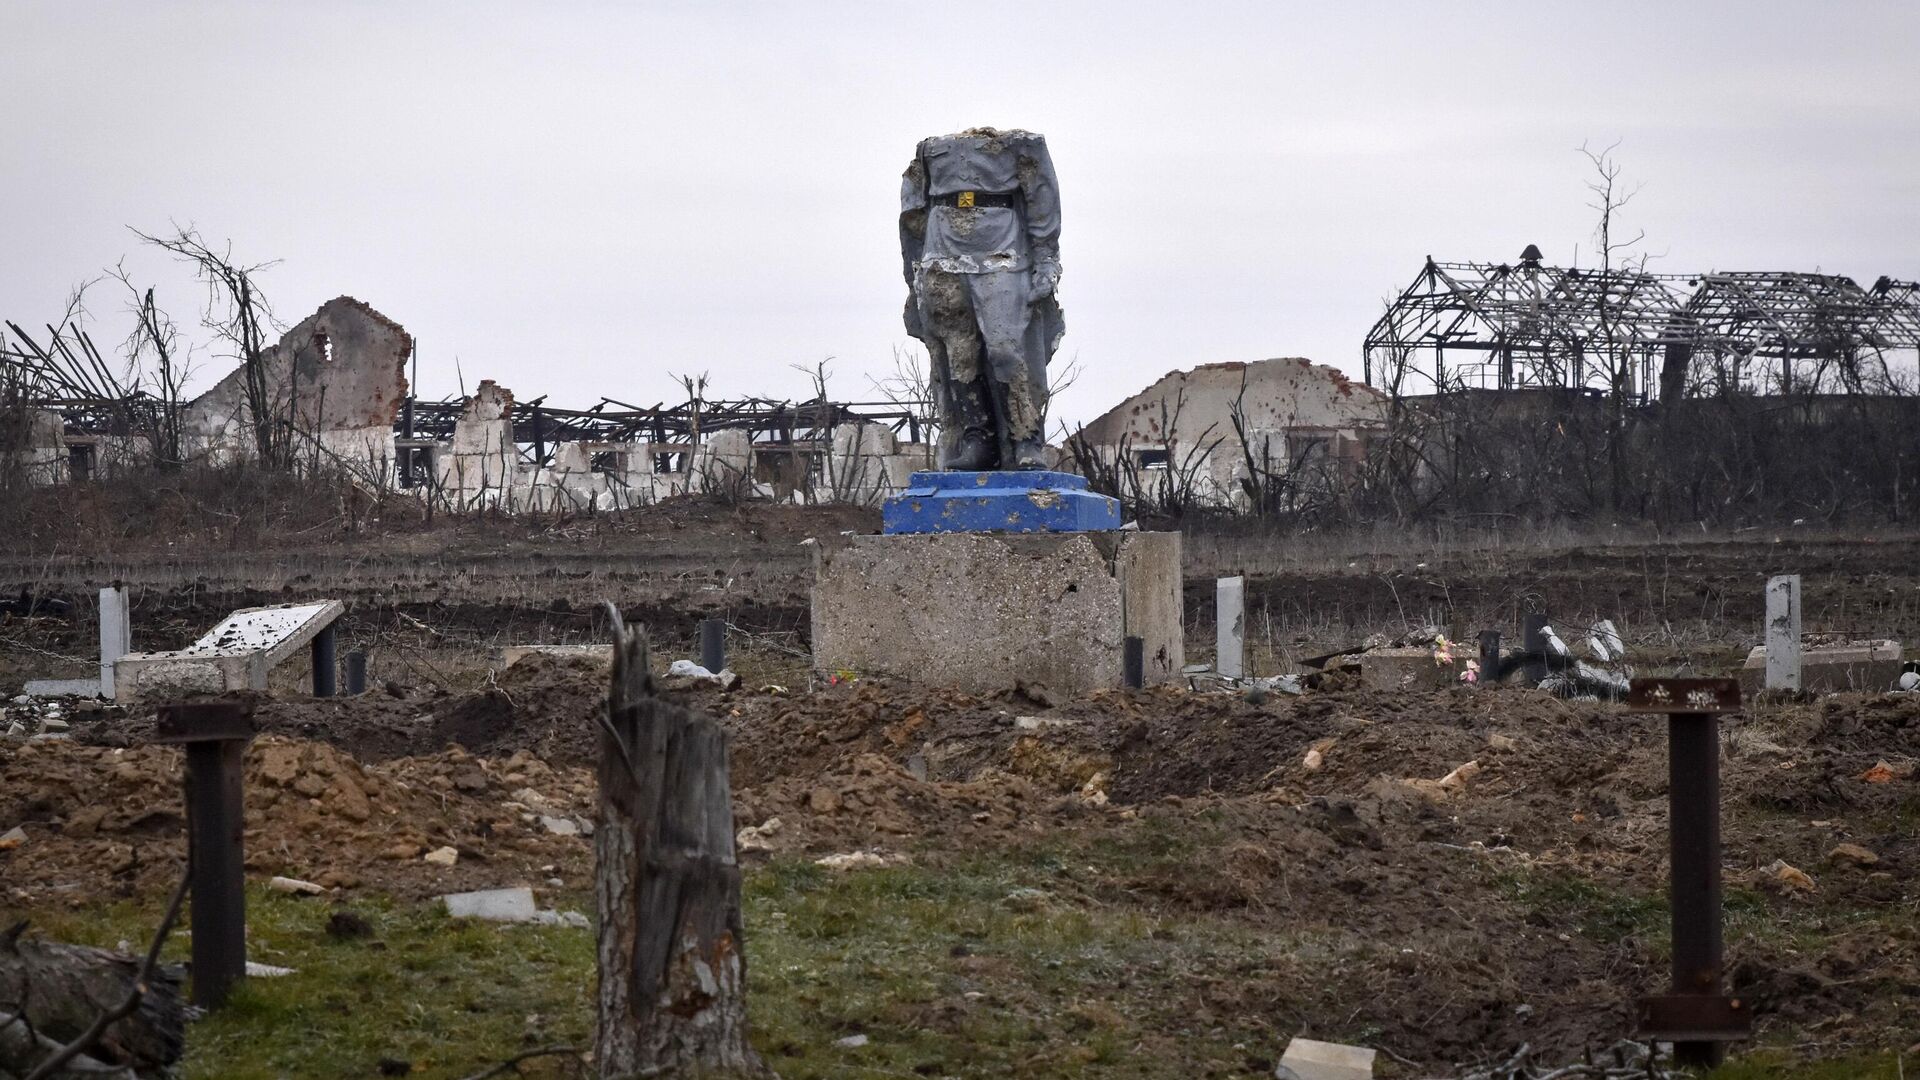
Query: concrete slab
[[1866, 666], [986, 611], [599, 654], [61, 688], [235, 655], [1310, 1059], [493, 905]]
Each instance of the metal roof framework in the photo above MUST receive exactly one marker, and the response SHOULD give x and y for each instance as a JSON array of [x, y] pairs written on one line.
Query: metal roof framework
[[1501, 326]]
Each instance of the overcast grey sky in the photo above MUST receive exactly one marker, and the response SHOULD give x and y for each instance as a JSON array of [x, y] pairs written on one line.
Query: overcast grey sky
[[584, 199]]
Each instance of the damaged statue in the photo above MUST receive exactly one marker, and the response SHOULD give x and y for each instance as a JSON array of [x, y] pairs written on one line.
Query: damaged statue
[[980, 240]]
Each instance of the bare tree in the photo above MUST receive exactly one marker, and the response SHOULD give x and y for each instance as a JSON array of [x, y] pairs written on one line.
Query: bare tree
[[1616, 262], [155, 336], [239, 314]]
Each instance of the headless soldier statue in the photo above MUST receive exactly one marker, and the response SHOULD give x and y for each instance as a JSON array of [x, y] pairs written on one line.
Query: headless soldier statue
[[980, 240]]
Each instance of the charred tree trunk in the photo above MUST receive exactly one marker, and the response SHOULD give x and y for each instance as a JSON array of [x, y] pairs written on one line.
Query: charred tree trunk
[[51, 992], [673, 973]]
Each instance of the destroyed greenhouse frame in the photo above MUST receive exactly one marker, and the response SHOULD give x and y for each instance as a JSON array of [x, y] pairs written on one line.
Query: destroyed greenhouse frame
[[1642, 336]]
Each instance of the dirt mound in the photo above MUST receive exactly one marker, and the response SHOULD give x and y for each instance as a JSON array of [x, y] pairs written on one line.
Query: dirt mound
[[106, 821]]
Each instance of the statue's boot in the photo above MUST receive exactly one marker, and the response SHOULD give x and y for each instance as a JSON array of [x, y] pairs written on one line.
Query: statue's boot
[[1029, 455], [976, 450]]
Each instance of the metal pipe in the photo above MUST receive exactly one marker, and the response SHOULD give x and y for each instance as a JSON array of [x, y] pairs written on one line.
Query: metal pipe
[[1693, 795], [323, 663]]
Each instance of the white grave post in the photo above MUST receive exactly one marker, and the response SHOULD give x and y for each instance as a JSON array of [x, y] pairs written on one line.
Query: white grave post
[[1230, 627], [116, 633], [1783, 632]]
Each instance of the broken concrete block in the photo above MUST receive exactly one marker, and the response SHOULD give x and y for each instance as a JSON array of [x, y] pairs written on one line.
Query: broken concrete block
[[12, 838], [493, 905], [1832, 668], [294, 885], [1409, 668], [442, 856], [1309, 1059], [560, 826], [989, 611]]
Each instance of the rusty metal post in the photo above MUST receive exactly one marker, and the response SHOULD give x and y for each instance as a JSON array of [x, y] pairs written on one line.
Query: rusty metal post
[[1696, 1017], [215, 735], [1489, 655], [1533, 639], [713, 645], [1133, 662]]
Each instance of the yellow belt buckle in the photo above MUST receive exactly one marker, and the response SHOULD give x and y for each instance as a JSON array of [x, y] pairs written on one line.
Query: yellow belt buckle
[[964, 200]]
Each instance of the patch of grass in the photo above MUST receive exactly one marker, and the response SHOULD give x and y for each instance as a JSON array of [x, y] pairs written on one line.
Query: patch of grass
[[450, 996], [1777, 1065], [1606, 915]]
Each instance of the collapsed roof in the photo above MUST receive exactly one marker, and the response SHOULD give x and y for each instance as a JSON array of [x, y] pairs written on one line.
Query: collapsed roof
[[1512, 326]]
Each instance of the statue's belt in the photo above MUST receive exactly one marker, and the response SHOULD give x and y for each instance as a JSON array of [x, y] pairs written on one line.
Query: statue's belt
[[967, 199]]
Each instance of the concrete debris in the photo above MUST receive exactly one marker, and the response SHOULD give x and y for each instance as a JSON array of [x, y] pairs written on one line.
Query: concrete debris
[[1883, 773], [1310, 1059], [560, 826], [12, 838], [1497, 741], [442, 856], [294, 885], [1781, 876], [756, 837], [851, 1042], [1454, 783], [54, 725], [859, 860], [1025, 899], [266, 971], [16, 730], [493, 905], [684, 673], [1604, 642], [571, 919], [1852, 853]]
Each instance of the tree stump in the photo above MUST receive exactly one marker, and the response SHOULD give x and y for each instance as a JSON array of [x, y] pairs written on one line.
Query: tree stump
[[57, 990], [673, 972]]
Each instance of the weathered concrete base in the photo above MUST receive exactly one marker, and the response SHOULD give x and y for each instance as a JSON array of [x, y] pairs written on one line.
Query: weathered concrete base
[[985, 611], [1410, 668], [599, 654], [1868, 666]]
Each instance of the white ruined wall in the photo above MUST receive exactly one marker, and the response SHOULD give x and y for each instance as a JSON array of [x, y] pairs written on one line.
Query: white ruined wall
[[481, 468], [42, 456], [1294, 410], [340, 375]]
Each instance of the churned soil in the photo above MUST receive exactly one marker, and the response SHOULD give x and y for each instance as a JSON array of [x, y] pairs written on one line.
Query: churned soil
[[1459, 870]]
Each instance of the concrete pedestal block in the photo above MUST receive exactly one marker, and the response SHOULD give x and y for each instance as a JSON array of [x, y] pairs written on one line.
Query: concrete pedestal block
[[1410, 668], [984, 611], [1859, 666]]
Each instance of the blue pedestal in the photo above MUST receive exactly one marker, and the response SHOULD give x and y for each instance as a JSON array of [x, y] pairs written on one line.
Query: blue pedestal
[[1019, 502]]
